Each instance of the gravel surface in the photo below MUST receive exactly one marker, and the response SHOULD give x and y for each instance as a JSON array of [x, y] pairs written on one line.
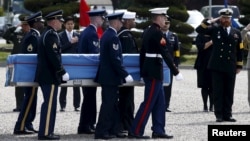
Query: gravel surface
[[186, 122]]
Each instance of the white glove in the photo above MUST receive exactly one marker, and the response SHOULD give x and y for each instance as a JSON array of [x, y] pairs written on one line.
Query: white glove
[[65, 77], [129, 78], [179, 77]]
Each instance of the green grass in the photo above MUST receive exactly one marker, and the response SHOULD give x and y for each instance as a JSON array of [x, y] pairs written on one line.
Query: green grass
[[188, 59], [3, 56]]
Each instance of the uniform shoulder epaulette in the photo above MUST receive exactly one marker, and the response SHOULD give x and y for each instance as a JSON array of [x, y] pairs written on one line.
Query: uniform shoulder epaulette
[[34, 33]]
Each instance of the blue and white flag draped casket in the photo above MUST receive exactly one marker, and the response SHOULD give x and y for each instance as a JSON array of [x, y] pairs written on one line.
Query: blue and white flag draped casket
[[82, 69]]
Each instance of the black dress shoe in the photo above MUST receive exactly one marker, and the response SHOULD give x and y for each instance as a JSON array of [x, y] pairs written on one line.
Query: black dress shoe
[[165, 136], [121, 135], [219, 120], [49, 137], [62, 110], [32, 130], [77, 109], [16, 110], [167, 110], [86, 131], [105, 137], [131, 136], [92, 127], [230, 119], [24, 132]]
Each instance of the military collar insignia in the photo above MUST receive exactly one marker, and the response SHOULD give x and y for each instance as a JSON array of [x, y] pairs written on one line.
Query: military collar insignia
[[30, 48], [96, 43], [54, 46], [115, 46]]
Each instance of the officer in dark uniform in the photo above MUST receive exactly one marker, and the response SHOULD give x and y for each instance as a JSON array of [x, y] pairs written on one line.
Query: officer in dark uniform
[[89, 44], [204, 46], [30, 44], [50, 73], [110, 74], [15, 36], [225, 62], [174, 50], [126, 93], [69, 41], [152, 54]]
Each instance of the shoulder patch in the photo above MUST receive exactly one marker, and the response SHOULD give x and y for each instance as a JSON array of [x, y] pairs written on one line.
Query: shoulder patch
[[54, 46], [115, 46]]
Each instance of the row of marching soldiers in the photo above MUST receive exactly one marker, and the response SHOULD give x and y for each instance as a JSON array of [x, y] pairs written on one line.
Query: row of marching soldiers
[[116, 117]]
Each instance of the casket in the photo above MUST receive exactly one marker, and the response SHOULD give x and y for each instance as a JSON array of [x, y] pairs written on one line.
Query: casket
[[82, 69]]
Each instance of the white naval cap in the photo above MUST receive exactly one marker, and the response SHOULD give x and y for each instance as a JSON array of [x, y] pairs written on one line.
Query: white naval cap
[[226, 12], [129, 15], [159, 11]]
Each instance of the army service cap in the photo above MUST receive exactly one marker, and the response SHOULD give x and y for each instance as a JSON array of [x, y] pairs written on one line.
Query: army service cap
[[99, 12], [226, 12], [37, 17], [115, 16], [129, 15], [56, 15], [159, 11]]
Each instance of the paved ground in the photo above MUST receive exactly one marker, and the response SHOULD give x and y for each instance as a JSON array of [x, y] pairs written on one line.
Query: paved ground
[[187, 122]]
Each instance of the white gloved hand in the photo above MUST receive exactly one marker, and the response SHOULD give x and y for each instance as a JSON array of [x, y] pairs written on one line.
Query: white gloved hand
[[65, 77], [179, 77], [129, 78]]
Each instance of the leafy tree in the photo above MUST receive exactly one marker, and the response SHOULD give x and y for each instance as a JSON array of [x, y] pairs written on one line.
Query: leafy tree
[[244, 7], [178, 13], [69, 7]]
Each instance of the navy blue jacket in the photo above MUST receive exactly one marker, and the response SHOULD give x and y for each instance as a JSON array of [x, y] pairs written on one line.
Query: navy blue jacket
[[111, 70]]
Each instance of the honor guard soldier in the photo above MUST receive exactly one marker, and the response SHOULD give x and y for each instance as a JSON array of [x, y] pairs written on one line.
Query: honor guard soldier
[[110, 74], [29, 46], [50, 73], [152, 55], [174, 51], [15, 35], [225, 62], [89, 44], [126, 93]]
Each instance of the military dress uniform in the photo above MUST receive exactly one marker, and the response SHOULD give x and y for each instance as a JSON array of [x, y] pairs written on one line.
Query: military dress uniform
[[89, 44], [174, 51], [126, 93], [28, 111], [49, 75], [152, 55], [16, 35], [204, 75], [225, 59], [110, 75]]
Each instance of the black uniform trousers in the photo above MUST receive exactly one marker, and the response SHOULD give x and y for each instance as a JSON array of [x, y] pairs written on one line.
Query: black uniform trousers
[[76, 97], [109, 116], [88, 109], [168, 91], [126, 106], [19, 94], [28, 110], [48, 109], [223, 91]]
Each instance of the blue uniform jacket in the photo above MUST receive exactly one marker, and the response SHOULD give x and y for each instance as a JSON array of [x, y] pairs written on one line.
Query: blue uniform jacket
[[49, 63], [111, 70], [30, 42], [89, 42]]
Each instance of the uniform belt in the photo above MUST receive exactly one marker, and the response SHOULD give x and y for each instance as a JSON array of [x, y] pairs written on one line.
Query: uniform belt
[[153, 55]]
